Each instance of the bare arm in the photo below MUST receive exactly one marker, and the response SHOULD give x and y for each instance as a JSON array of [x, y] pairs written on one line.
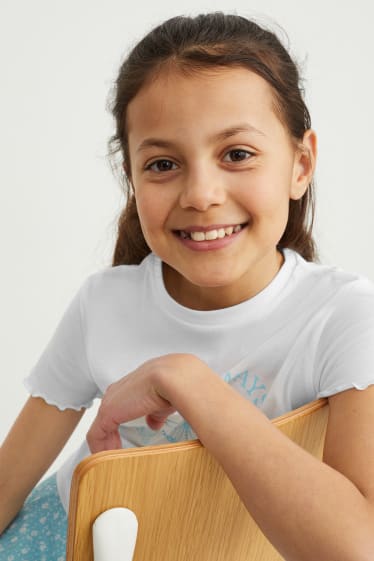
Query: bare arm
[[308, 509], [34, 441]]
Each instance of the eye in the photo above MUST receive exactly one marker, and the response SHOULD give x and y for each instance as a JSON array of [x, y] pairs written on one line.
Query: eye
[[162, 165], [239, 155]]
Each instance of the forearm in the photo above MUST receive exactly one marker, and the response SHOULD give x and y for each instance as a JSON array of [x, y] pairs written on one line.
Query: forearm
[[36, 438], [10, 506], [307, 509]]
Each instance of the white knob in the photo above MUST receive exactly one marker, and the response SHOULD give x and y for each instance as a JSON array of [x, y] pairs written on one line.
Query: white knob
[[114, 535]]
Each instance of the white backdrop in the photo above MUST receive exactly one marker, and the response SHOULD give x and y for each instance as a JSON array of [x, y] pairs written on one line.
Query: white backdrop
[[58, 199]]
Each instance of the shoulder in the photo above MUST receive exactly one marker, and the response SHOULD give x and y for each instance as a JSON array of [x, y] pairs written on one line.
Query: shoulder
[[124, 284], [343, 320], [339, 310], [121, 275], [341, 293]]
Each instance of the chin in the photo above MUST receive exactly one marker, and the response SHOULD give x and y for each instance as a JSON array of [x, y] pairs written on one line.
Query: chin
[[211, 280]]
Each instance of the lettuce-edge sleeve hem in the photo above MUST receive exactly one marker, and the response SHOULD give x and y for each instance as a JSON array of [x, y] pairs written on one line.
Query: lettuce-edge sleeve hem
[[49, 401], [341, 388]]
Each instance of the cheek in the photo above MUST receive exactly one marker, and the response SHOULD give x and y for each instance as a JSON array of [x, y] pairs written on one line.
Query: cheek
[[146, 217], [152, 209], [268, 188], [266, 197]]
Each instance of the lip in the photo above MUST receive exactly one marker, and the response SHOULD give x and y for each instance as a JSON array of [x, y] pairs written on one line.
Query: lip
[[209, 245]]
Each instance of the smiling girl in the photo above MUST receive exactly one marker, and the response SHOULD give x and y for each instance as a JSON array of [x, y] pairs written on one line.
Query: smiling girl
[[215, 317], [213, 170]]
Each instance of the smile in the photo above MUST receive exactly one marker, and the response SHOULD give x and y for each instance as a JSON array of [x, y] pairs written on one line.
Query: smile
[[212, 234]]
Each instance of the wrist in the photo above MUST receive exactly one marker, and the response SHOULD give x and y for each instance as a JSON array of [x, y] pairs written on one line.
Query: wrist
[[188, 384], [178, 376]]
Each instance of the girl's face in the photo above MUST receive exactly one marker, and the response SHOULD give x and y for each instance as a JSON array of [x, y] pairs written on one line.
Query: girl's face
[[208, 154]]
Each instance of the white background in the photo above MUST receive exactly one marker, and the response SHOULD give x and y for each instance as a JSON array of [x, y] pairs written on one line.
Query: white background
[[58, 199]]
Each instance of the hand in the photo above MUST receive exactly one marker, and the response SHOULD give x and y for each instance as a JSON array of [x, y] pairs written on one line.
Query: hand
[[142, 392]]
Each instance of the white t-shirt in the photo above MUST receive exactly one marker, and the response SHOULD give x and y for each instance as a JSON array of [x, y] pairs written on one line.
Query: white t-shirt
[[308, 334]]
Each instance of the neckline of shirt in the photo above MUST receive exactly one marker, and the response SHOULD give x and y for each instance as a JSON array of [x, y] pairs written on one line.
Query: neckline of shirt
[[250, 310]]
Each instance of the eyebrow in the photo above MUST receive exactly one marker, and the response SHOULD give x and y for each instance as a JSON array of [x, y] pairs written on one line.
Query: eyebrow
[[221, 135]]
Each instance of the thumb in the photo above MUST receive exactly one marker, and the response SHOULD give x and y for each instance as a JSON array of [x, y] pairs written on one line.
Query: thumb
[[102, 436], [156, 421]]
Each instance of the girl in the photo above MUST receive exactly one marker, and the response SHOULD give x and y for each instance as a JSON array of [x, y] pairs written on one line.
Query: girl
[[215, 317]]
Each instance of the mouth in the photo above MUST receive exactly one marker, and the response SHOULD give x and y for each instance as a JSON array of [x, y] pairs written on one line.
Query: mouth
[[211, 233]]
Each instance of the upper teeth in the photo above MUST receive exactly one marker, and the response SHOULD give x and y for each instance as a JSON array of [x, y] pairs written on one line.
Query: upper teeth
[[213, 234]]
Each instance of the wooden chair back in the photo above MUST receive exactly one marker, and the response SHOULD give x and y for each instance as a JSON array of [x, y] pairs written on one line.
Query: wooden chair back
[[187, 508]]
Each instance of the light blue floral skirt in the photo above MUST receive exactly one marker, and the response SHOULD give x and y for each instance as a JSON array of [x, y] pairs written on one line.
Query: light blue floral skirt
[[38, 533]]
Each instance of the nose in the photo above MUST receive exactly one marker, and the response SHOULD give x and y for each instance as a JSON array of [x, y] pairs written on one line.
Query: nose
[[202, 187]]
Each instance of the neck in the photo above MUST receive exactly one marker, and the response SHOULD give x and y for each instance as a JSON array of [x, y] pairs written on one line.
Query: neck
[[217, 297]]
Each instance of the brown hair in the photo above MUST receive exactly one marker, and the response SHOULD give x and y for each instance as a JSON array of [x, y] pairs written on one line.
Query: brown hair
[[193, 44]]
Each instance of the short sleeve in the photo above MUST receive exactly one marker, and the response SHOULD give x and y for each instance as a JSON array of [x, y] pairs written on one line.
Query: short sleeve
[[62, 374], [347, 343]]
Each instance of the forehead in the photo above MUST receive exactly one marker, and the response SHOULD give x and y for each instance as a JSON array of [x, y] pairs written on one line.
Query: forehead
[[173, 104]]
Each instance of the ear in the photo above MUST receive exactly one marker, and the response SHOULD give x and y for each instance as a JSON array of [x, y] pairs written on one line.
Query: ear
[[304, 165]]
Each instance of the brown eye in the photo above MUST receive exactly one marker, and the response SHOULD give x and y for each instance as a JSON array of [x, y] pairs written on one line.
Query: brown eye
[[239, 155], [161, 165]]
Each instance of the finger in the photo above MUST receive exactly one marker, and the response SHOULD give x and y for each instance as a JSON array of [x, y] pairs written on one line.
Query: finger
[[157, 419], [100, 438], [155, 423]]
